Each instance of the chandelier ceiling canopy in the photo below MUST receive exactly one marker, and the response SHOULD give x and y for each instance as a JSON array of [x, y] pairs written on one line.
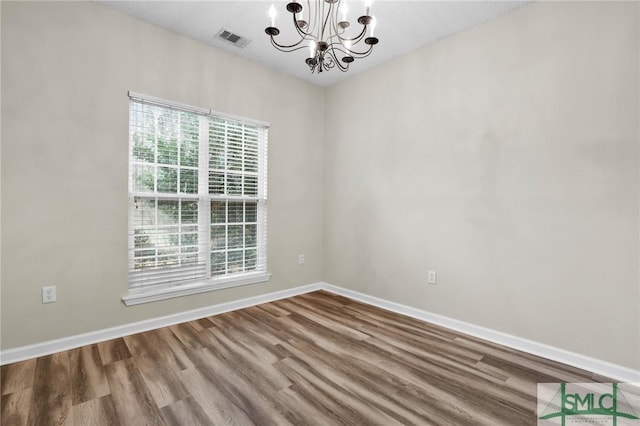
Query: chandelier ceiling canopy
[[323, 28]]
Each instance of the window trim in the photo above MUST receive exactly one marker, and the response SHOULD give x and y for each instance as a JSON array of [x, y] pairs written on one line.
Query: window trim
[[139, 297], [142, 295], [197, 110]]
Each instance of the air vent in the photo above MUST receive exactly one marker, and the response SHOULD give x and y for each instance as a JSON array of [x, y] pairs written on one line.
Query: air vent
[[232, 38]]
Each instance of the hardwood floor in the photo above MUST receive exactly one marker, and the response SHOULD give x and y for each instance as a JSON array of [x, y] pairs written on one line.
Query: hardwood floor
[[314, 359]]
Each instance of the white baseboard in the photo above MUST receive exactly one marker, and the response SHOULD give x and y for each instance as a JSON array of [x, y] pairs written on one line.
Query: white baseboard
[[617, 372], [52, 346]]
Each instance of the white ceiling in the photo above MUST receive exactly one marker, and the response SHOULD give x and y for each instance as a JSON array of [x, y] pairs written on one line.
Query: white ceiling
[[402, 26]]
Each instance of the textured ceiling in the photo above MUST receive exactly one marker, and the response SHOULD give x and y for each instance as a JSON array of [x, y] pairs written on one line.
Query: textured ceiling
[[402, 26]]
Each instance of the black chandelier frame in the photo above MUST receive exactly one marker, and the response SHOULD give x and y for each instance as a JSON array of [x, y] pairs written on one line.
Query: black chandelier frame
[[328, 33]]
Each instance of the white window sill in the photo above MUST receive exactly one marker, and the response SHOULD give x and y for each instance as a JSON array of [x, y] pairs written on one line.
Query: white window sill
[[140, 297]]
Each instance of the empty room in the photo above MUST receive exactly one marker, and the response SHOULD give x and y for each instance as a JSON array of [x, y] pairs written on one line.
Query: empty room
[[320, 212]]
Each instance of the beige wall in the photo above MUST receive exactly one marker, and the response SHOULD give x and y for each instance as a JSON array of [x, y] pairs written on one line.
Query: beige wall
[[66, 70], [506, 159]]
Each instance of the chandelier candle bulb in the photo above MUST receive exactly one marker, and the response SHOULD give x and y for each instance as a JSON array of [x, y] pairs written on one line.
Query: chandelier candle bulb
[[372, 27], [272, 16], [344, 9], [367, 7], [312, 49], [347, 45]]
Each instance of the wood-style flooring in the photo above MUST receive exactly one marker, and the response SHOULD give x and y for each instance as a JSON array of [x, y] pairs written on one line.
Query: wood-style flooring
[[314, 359]]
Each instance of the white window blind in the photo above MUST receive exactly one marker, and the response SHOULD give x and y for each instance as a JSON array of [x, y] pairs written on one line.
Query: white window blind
[[197, 196]]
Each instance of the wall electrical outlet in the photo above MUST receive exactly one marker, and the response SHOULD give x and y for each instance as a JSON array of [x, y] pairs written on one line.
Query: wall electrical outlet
[[432, 277], [301, 259], [49, 294]]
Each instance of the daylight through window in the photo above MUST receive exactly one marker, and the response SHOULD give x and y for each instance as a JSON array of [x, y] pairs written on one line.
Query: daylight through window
[[197, 196]]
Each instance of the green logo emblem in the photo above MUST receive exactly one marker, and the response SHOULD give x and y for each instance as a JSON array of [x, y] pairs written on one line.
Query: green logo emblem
[[586, 403]]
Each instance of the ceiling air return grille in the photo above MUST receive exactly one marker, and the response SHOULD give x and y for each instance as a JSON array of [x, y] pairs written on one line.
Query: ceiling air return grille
[[232, 38]]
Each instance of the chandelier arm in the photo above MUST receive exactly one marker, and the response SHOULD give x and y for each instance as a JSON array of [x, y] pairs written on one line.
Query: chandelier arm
[[302, 33], [356, 39], [333, 27], [287, 48], [339, 31], [334, 46], [337, 62], [363, 54], [340, 47], [324, 25], [342, 67], [360, 55], [341, 43], [315, 10], [330, 63]]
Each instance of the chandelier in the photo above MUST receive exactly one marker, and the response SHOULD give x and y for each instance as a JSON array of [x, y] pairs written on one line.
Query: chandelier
[[325, 33]]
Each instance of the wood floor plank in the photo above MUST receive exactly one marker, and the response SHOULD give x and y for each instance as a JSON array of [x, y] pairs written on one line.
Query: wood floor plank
[[274, 310], [388, 396], [203, 323], [283, 305], [248, 362], [95, 412], [163, 384], [517, 363], [343, 327], [209, 393], [186, 412], [250, 394], [242, 332], [17, 377], [360, 310], [264, 337], [329, 402], [131, 398], [15, 407], [188, 335], [88, 380], [393, 386], [51, 399], [124, 377], [175, 352], [326, 299], [254, 324], [316, 413], [113, 350], [312, 359], [358, 411], [430, 360], [423, 374], [151, 360]]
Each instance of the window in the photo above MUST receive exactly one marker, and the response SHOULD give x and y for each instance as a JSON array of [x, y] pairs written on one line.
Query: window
[[197, 200]]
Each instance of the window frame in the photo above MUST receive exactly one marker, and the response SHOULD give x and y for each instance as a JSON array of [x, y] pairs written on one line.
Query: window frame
[[204, 197]]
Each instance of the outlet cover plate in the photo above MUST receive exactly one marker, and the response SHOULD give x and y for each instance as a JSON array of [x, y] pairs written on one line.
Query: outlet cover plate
[[49, 294]]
